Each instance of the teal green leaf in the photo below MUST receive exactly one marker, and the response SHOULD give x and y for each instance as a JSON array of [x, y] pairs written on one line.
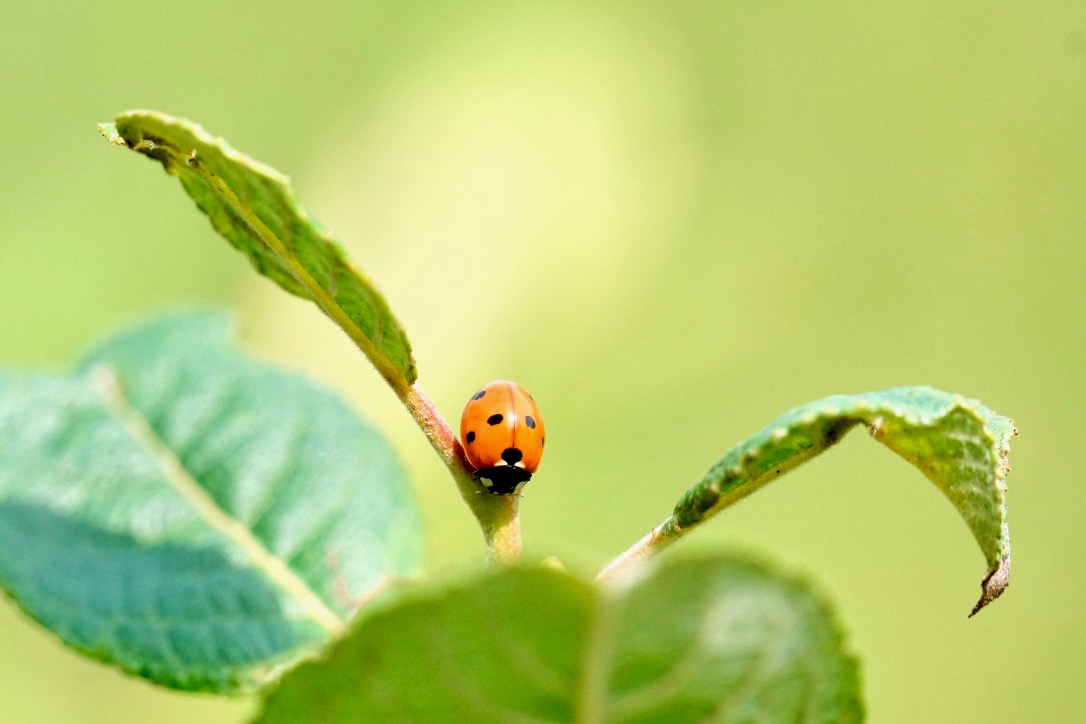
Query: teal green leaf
[[253, 207], [958, 443], [716, 639], [196, 518]]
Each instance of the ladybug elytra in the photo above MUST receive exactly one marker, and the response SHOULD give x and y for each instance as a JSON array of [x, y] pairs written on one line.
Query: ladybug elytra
[[502, 435]]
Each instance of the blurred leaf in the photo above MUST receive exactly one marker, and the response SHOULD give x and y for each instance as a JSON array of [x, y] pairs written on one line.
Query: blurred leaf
[[253, 207], [960, 444], [715, 638], [196, 518]]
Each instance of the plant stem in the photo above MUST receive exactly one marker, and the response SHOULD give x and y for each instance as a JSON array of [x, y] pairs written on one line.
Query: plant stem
[[501, 527], [657, 539], [497, 514]]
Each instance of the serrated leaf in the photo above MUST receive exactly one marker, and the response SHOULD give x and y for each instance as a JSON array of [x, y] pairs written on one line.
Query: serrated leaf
[[717, 639], [187, 514], [253, 207], [960, 444]]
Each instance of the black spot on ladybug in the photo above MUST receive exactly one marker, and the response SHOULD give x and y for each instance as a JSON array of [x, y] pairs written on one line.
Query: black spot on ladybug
[[494, 419], [470, 437], [530, 421], [511, 455], [478, 395]]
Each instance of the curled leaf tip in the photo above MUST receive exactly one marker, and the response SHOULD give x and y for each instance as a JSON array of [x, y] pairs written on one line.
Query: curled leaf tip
[[993, 585], [109, 132]]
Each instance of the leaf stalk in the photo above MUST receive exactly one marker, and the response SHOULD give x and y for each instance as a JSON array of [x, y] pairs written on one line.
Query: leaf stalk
[[656, 540]]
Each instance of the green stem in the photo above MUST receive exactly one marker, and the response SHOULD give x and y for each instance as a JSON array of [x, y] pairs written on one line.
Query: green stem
[[657, 539], [497, 514], [501, 527]]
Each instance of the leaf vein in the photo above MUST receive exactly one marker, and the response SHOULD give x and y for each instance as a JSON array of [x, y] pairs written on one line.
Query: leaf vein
[[179, 478]]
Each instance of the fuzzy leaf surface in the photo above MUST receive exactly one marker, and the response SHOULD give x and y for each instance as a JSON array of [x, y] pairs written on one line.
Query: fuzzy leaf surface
[[715, 639], [252, 207], [179, 510], [958, 443]]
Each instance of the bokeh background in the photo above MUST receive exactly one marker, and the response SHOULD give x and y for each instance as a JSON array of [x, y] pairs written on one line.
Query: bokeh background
[[671, 222]]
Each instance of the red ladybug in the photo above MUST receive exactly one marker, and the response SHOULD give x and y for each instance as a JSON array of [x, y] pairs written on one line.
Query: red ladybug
[[502, 435]]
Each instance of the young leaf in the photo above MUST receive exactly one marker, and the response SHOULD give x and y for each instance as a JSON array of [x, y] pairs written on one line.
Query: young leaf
[[189, 515], [713, 639], [253, 207], [960, 444]]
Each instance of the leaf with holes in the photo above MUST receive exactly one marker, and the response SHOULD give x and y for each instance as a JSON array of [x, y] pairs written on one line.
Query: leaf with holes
[[960, 445], [713, 639], [176, 509], [253, 207]]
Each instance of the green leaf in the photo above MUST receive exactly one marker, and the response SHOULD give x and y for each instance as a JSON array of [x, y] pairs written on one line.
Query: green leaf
[[194, 517], [960, 444], [253, 207], [714, 639]]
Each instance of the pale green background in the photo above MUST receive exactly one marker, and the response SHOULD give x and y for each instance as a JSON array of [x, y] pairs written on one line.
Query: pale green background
[[671, 222]]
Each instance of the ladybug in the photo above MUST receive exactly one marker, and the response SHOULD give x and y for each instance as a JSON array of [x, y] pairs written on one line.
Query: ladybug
[[502, 435]]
